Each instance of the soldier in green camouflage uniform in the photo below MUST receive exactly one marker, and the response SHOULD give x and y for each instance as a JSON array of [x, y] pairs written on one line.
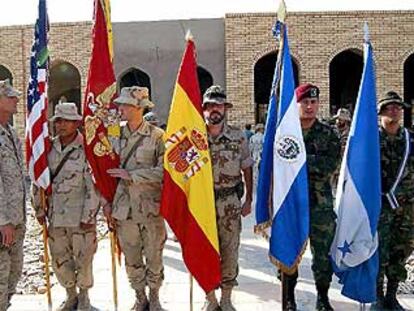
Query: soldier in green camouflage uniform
[[395, 227], [231, 157], [141, 228], [12, 198], [73, 205], [323, 155]]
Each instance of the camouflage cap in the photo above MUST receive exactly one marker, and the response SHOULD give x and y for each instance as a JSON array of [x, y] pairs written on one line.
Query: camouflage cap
[[343, 114], [137, 96], [215, 94], [7, 90], [389, 98], [66, 111]]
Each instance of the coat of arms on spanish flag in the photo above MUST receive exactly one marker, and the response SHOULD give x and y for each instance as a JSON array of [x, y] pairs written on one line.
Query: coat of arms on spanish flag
[[188, 197], [100, 114]]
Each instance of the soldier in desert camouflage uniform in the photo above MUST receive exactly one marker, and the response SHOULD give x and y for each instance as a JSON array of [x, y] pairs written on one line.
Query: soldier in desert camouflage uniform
[[73, 205], [231, 157], [12, 198], [136, 205], [395, 227], [323, 155]]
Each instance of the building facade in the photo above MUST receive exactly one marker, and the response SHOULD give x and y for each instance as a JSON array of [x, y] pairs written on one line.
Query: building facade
[[238, 52]]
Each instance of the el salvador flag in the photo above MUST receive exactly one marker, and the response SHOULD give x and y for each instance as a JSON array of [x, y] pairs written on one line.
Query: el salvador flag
[[284, 155], [354, 250]]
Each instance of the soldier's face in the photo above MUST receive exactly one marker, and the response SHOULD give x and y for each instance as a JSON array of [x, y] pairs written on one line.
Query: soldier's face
[[66, 128], [129, 112], [308, 108], [391, 113], [214, 113], [8, 104]]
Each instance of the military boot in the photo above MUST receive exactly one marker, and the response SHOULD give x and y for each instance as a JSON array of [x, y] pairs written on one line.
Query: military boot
[[322, 301], [141, 301], [391, 301], [154, 300], [71, 301], [225, 300], [211, 303], [84, 303], [290, 301], [379, 304]]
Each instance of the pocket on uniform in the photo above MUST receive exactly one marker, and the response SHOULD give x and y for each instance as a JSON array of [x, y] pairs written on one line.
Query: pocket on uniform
[[144, 156]]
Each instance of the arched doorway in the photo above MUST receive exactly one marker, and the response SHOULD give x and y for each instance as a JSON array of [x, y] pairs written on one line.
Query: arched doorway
[[409, 90], [205, 79], [345, 71], [64, 85], [134, 76], [264, 70], [6, 74]]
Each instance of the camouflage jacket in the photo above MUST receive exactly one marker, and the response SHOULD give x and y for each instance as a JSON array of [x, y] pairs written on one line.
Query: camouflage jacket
[[392, 154], [139, 198], [323, 157], [74, 198], [12, 174], [230, 154]]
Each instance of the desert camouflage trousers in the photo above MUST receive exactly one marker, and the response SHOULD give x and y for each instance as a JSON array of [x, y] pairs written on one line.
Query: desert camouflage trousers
[[229, 227], [142, 245], [72, 251], [11, 265]]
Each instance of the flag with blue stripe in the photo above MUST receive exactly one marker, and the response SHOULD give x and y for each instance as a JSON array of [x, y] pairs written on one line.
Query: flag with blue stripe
[[354, 251], [286, 156]]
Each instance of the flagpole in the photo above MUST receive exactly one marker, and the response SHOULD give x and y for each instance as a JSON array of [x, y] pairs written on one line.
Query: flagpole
[[113, 260], [275, 85], [191, 292], [46, 251]]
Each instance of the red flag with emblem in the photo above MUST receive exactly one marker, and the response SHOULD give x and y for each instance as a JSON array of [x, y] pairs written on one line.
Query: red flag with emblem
[[100, 115]]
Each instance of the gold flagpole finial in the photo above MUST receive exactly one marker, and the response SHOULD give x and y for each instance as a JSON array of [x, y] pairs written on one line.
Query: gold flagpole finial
[[281, 12]]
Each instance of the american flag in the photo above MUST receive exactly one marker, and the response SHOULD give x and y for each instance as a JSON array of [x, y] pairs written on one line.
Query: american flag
[[37, 133]]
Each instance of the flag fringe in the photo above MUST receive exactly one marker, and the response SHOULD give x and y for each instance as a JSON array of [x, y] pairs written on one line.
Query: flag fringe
[[292, 269], [260, 229]]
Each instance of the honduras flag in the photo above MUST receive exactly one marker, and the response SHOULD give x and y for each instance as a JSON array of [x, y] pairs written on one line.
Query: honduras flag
[[284, 155], [354, 250]]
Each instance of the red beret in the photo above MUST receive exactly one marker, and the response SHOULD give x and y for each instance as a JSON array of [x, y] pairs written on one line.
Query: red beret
[[306, 90]]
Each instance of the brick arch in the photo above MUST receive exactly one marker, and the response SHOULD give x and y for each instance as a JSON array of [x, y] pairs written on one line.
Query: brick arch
[[405, 56], [9, 72], [341, 49], [61, 88], [270, 49]]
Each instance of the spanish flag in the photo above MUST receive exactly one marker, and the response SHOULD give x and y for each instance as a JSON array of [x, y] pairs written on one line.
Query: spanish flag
[[188, 198], [101, 121]]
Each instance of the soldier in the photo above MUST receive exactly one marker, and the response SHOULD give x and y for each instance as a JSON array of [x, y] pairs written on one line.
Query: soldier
[[256, 146], [136, 205], [343, 123], [72, 207], [12, 197], [395, 227], [323, 154], [231, 157]]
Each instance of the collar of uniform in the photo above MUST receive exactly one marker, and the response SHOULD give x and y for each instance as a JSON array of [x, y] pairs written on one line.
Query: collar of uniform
[[76, 143], [144, 130], [400, 132], [225, 132], [5, 130]]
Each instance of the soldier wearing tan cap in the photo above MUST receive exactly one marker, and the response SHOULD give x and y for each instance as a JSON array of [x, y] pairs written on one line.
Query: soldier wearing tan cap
[[135, 211], [12, 197], [73, 206]]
